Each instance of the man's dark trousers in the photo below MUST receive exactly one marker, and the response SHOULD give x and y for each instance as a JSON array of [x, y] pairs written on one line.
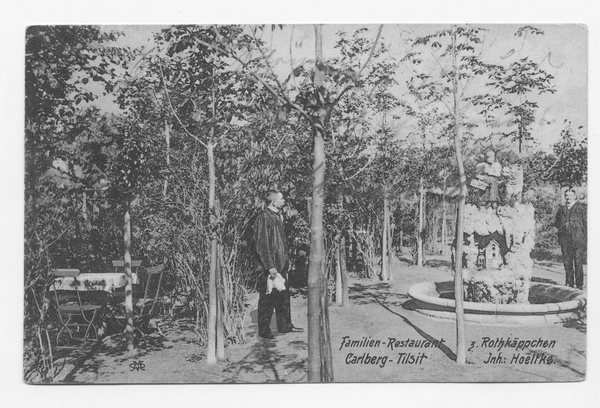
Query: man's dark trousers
[[573, 258], [278, 300], [572, 237]]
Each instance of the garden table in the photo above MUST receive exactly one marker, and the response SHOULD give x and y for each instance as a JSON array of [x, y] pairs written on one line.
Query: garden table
[[107, 282], [74, 313]]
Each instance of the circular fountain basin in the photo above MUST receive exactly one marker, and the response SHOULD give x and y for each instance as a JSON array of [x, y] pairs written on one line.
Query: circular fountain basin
[[548, 304]]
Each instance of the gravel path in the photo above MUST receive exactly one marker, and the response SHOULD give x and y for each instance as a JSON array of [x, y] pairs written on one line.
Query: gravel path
[[378, 338]]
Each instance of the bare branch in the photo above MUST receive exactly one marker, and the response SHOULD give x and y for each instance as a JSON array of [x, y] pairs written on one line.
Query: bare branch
[[173, 110], [291, 55], [231, 54], [266, 59], [285, 135], [371, 160], [372, 50], [548, 173], [281, 98], [337, 99]]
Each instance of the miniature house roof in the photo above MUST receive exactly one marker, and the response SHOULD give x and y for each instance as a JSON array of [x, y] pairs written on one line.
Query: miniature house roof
[[492, 241], [483, 241]]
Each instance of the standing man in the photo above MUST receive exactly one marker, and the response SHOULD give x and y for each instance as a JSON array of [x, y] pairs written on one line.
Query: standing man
[[272, 254], [571, 221]]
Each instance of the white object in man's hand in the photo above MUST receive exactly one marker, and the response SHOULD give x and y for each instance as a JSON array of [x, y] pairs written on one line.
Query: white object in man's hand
[[276, 283]]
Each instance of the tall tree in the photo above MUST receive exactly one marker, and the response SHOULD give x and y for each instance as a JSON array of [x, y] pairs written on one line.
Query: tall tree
[[359, 131], [467, 81], [461, 349], [314, 104], [197, 93], [206, 96], [457, 52]]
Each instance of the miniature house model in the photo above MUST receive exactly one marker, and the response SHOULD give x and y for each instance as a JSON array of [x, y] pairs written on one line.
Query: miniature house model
[[489, 256], [497, 266]]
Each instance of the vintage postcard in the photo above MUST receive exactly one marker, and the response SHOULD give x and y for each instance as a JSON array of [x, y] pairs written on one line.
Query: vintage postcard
[[285, 203]]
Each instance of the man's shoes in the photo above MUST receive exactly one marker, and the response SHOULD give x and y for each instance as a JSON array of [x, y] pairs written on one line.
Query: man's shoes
[[268, 336], [293, 329]]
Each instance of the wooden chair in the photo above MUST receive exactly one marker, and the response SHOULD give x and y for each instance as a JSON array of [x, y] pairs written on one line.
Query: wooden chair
[[144, 314], [119, 265], [142, 311], [151, 274], [74, 314]]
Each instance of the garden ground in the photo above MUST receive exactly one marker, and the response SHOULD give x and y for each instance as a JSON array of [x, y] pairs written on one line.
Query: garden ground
[[378, 311]]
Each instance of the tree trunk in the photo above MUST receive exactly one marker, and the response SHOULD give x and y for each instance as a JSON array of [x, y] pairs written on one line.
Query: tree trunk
[[401, 237], [385, 270], [341, 288], [84, 212], [318, 324], [420, 231], [444, 242], [211, 356], [221, 289], [345, 292], [354, 253], [168, 143], [316, 260], [391, 236], [520, 135], [338, 275], [326, 373], [435, 231], [221, 283], [220, 307], [458, 280], [391, 230], [128, 280]]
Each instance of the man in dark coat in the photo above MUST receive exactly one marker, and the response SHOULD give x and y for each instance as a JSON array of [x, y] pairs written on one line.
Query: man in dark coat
[[571, 221], [272, 254]]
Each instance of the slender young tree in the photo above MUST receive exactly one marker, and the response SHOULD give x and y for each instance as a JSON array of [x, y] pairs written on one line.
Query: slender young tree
[[197, 90], [315, 105], [420, 231], [385, 241], [128, 280], [318, 324], [459, 58], [461, 349]]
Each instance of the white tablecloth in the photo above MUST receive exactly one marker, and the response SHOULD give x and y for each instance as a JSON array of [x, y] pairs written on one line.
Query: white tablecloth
[[93, 281]]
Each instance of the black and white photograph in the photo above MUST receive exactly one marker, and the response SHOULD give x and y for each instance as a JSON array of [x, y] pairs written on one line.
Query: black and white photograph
[[305, 203], [264, 201]]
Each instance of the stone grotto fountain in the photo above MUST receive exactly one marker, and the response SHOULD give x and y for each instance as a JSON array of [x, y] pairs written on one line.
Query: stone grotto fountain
[[497, 274]]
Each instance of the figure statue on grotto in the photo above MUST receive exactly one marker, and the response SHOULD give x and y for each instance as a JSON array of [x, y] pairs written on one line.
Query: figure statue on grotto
[[498, 235], [512, 175], [489, 172]]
